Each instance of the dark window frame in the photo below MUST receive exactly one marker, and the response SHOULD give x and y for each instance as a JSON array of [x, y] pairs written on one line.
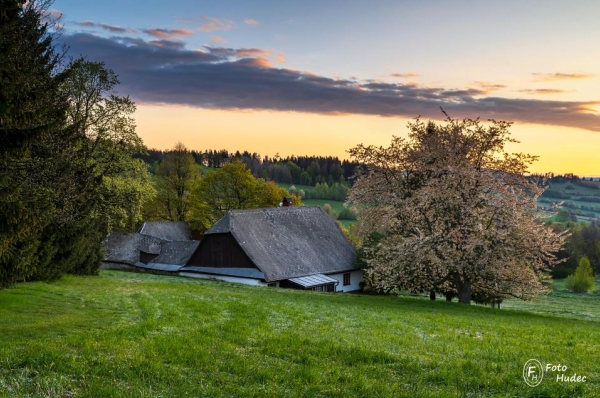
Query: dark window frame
[[347, 279]]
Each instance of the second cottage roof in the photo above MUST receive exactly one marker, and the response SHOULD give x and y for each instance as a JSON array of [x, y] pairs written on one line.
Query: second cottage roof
[[289, 242]]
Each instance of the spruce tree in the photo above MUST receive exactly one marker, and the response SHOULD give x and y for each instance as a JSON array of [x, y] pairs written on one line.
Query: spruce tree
[[31, 110]]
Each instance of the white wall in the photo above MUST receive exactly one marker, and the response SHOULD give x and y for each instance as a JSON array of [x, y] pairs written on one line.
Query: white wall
[[232, 279], [356, 277]]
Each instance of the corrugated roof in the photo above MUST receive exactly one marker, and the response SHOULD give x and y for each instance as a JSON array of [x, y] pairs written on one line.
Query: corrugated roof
[[239, 272], [313, 280], [289, 242], [167, 230]]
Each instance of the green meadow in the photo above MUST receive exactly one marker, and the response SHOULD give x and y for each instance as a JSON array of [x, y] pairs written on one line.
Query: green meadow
[[137, 335]]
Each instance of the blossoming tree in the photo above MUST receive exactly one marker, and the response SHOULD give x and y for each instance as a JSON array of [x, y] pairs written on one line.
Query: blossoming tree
[[457, 213]]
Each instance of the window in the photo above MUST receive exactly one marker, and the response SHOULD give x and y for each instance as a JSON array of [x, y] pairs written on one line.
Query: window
[[322, 288], [274, 284], [347, 279]]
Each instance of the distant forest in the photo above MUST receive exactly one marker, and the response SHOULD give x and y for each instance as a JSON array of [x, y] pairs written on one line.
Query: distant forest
[[304, 170]]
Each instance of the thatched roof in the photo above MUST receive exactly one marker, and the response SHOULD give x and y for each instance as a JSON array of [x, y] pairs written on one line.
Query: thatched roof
[[123, 247], [176, 253], [288, 242], [167, 230]]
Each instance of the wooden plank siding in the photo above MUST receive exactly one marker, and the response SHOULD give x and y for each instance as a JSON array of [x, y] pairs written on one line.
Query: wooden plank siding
[[220, 250]]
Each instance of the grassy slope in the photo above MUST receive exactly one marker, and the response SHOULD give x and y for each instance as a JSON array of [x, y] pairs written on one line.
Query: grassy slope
[[137, 335]]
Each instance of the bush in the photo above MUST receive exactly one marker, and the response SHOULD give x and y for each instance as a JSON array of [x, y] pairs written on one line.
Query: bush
[[569, 186], [561, 272], [583, 279], [348, 213], [327, 209]]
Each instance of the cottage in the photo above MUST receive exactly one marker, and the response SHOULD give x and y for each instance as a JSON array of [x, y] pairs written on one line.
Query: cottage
[[291, 247], [295, 247], [158, 247]]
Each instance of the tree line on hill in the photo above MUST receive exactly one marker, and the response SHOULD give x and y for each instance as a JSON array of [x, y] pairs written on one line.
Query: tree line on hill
[[304, 170]]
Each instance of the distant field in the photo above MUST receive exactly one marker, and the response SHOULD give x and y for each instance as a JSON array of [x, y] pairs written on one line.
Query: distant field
[[139, 335], [335, 205], [573, 195]]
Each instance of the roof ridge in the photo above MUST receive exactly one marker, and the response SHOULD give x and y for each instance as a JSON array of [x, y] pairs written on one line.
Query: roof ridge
[[281, 208]]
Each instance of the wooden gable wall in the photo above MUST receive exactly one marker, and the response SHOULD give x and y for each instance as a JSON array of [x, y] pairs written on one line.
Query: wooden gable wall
[[220, 250]]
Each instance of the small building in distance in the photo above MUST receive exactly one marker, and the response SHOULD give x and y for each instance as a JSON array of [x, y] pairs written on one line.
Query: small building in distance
[[297, 247]]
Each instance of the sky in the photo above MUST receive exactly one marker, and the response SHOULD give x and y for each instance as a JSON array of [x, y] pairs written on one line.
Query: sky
[[320, 77]]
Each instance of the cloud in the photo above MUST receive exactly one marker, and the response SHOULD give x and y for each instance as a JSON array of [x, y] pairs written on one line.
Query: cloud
[[217, 40], [240, 52], [208, 24], [543, 91], [280, 58], [168, 33], [51, 17], [561, 76], [54, 14], [404, 75], [222, 78], [110, 28], [251, 21], [489, 87]]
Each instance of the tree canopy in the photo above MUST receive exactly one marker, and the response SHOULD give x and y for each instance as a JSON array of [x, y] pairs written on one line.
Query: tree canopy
[[231, 187], [66, 154], [174, 179], [456, 214]]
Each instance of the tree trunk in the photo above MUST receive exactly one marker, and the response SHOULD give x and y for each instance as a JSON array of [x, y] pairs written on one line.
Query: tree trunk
[[432, 295], [464, 289]]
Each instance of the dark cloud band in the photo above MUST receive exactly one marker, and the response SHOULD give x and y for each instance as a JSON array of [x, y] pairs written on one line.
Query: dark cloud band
[[164, 71]]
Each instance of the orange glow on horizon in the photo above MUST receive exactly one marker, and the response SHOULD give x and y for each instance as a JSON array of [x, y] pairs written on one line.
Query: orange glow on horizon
[[560, 149]]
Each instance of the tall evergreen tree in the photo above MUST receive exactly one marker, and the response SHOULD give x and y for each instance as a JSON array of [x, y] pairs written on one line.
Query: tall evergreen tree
[[31, 110], [64, 134]]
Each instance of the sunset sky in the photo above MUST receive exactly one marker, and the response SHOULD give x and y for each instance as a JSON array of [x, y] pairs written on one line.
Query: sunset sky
[[320, 77]]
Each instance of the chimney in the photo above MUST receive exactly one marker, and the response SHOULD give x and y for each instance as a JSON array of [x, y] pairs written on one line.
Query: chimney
[[287, 202]]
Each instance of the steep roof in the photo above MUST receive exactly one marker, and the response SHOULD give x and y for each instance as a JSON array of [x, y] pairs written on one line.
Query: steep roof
[[167, 230], [288, 242], [176, 253], [123, 247]]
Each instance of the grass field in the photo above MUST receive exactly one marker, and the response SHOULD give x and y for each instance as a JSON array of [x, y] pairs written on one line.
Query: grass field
[[138, 335], [581, 208], [335, 205]]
